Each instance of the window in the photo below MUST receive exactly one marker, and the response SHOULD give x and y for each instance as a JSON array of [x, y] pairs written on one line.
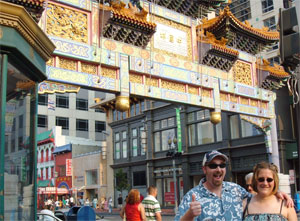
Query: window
[[141, 130], [267, 5], [117, 146], [117, 153], [134, 150], [63, 122], [21, 102], [21, 121], [201, 130], [52, 156], [62, 101], [114, 115], [6, 145], [43, 99], [20, 142], [91, 177], [270, 23], [99, 126], [13, 146], [81, 104], [240, 128], [62, 170], [274, 60], [82, 125], [42, 120], [249, 129], [124, 149], [47, 155], [139, 178], [234, 126], [164, 133]]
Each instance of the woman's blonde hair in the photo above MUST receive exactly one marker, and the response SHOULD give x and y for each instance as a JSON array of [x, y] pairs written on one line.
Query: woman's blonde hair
[[133, 197], [265, 165]]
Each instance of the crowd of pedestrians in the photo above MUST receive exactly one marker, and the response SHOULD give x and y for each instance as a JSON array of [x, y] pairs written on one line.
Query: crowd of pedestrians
[[212, 199]]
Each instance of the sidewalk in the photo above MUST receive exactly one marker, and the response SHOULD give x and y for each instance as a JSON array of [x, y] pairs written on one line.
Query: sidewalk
[[116, 211]]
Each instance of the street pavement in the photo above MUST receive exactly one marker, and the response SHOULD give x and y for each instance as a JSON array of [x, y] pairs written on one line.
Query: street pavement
[[116, 217]]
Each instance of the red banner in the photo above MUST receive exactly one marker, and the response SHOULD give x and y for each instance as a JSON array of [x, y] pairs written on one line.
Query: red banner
[[68, 167]]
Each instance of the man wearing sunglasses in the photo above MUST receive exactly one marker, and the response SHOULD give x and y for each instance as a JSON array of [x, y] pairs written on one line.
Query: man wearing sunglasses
[[213, 198]]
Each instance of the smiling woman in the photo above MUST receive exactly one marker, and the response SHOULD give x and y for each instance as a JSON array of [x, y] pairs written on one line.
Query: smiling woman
[[265, 205]]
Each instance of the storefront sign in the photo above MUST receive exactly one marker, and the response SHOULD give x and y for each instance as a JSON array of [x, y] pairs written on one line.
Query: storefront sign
[[170, 197], [52, 190], [178, 129], [68, 167]]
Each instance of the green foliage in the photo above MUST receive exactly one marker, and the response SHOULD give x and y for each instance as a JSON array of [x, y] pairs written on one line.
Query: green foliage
[[121, 181]]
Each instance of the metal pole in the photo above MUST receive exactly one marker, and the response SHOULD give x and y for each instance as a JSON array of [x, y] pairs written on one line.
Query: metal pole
[[3, 87], [175, 186]]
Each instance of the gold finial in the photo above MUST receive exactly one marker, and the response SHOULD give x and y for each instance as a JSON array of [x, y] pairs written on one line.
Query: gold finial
[[122, 103], [215, 117]]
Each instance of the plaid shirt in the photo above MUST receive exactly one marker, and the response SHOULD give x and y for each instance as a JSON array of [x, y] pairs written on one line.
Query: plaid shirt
[[228, 207]]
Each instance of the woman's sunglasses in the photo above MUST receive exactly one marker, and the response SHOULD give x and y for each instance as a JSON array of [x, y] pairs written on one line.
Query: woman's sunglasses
[[214, 165], [262, 179]]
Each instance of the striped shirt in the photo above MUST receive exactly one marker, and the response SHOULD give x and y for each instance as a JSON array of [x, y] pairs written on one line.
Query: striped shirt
[[151, 206]]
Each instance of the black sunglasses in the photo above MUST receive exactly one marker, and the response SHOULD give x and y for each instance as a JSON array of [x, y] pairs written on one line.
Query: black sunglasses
[[248, 185], [262, 179], [214, 165]]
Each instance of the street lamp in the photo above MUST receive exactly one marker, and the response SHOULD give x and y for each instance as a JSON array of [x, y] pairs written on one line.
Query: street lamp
[[172, 153]]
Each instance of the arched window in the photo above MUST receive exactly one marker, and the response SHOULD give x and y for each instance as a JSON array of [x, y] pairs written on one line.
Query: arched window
[[47, 173], [42, 156], [47, 155], [52, 157]]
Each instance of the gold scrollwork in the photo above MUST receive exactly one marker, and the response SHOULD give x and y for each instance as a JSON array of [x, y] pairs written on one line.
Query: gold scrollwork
[[108, 72], [152, 82], [88, 68], [253, 103], [233, 99], [67, 23], [205, 92], [67, 64], [242, 73], [263, 105], [173, 86], [136, 78], [244, 101], [224, 97], [50, 62], [193, 90]]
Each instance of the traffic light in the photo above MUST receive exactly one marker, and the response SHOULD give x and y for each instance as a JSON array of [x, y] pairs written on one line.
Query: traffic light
[[178, 154], [289, 38], [170, 153]]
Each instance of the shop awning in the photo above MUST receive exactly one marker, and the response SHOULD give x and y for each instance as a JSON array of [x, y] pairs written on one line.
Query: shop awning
[[291, 151], [64, 148]]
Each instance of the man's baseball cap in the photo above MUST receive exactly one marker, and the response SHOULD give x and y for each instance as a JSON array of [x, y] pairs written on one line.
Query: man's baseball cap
[[209, 156]]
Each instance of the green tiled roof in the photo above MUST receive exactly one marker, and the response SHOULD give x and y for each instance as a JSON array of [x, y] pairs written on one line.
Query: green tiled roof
[[45, 135]]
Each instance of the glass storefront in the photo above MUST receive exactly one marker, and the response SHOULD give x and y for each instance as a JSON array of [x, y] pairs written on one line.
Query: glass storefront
[[18, 128]]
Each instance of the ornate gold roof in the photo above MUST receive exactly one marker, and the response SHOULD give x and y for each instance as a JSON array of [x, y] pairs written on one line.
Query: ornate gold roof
[[219, 45], [226, 15], [276, 70], [131, 14]]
